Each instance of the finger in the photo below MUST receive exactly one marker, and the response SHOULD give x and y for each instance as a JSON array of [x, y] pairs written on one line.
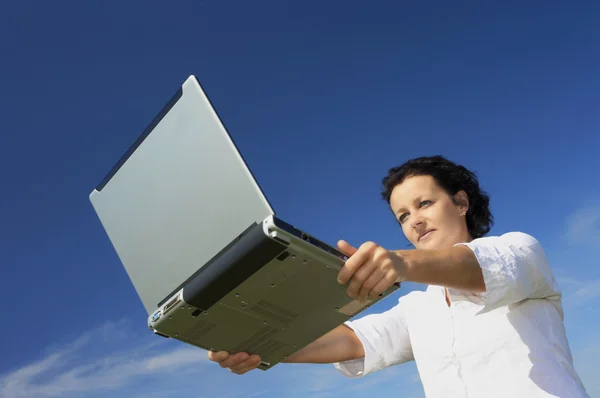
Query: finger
[[218, 356], [349, 268], [388, 280], [369, 284], [359, 278], [251, 363], [353, 264], [346, 248], [234, 360]]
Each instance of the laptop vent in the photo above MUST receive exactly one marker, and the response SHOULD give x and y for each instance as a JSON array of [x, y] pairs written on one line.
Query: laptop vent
[[196, 332], [199, 329], [191, 342], [261, 342], [268, 348], [274, 312]]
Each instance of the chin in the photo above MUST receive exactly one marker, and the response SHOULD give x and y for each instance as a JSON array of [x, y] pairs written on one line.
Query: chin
[[430, 244], [427, 246]]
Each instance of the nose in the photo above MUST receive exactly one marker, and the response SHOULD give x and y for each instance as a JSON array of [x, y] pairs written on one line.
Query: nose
[[417, 221]]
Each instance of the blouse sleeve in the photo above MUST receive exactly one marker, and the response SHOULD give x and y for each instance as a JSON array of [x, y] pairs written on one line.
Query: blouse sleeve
[[515, 268], [385, 340]]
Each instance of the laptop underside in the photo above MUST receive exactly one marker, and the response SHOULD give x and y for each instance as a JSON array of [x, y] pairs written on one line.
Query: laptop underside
[[266, 294]]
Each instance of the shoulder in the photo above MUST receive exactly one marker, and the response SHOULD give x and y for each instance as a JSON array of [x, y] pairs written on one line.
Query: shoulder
[[519, 238], [508, 250], [516, 237], [509, 241]]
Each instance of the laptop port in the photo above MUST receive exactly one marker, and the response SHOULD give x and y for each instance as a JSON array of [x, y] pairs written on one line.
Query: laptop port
[[197, 312], [161, 335], [171, 304]]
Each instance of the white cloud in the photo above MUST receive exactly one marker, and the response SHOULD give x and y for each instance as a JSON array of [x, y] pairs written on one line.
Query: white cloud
[[118, 361], [114, 361], [66, 371], [323, 381], [587, 291], [18, 382], [326, 382], [577, 293], [583, 225], [404, 379]]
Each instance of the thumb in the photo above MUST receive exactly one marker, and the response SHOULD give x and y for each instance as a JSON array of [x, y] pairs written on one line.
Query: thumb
[[346, 248]]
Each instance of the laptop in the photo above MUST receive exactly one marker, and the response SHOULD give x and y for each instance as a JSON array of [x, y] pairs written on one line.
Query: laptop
[[212, 264]]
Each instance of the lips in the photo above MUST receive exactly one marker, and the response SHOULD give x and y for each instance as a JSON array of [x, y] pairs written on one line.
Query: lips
[[426, 234]]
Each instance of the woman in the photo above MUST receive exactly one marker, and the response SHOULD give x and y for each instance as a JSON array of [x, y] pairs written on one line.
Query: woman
[[490, 323]]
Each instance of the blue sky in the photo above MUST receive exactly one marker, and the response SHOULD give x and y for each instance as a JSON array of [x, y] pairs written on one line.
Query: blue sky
[[322, 99]]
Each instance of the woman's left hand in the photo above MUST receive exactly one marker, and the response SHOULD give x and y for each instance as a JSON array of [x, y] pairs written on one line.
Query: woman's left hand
[[370, 269]]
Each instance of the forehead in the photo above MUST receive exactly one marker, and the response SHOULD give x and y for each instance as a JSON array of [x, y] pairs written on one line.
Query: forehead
[[413, 188]]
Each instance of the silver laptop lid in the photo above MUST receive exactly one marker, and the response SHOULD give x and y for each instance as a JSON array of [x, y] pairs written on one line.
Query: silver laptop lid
[[178, 196]]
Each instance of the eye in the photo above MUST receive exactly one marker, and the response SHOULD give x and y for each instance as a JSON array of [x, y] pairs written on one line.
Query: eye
[[402, 218], [425, 203]]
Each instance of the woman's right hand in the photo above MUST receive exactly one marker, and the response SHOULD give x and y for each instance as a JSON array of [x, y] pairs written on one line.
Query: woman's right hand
[[239, 363]]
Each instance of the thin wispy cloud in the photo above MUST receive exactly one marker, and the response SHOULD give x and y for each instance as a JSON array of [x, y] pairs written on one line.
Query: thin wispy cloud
[[583, 225], [323, 381], [403, 377], [120, 361], [579, 293], [587, 291], [72, 370], [114, 361]]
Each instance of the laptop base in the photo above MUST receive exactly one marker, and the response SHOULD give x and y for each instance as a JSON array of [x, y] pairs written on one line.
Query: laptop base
[[271, 293]]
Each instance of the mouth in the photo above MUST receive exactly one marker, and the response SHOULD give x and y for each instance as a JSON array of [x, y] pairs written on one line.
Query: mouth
[[426, 234]]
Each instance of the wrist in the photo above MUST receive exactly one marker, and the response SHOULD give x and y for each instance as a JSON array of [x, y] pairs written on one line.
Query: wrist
[[404, 265]]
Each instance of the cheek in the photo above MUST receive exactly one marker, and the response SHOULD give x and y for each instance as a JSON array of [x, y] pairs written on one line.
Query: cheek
[[406, 230], [448, 216], [443, 216]]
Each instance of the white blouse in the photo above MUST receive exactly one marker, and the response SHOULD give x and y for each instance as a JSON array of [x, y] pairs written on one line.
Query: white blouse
[[507, 342]]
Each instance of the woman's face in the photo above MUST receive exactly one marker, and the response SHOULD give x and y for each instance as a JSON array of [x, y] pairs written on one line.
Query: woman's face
[[430, 219]]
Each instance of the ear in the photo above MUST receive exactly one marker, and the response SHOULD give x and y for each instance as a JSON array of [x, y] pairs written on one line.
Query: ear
[[461, 199]]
